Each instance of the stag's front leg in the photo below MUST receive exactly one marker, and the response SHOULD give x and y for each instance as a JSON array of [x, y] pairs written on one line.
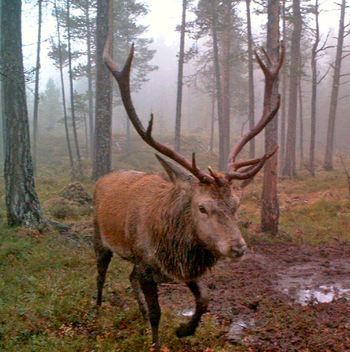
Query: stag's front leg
[[201, 307], [136, 288], [150, 291]]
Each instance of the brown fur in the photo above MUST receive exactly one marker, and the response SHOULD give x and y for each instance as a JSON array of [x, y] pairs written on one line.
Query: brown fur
[[156, 223]]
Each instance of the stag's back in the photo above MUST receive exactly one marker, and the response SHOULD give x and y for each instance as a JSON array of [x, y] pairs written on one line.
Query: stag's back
[[124, 201]]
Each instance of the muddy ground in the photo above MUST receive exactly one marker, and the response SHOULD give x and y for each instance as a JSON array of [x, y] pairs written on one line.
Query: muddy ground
[[280, 297]]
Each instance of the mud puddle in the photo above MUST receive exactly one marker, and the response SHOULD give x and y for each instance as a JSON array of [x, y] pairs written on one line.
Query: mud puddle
[[316, 282]]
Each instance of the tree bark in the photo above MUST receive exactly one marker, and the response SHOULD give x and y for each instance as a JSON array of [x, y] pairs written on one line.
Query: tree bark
[[72, 105], [36, 89], [226, 84], [328, 161], [218, 87], [22, 203], [212, 123], [314, 93], [284, 90], [103, 105], [251, 109], [89, 77], [270, 204], [301, 124], [180, 78], [289, 167], [64, 106]]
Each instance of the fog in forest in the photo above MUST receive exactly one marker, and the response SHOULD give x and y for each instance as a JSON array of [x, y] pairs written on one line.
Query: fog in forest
[[157, 94]]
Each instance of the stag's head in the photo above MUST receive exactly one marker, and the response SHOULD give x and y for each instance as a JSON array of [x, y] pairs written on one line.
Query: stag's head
[[212, 199]]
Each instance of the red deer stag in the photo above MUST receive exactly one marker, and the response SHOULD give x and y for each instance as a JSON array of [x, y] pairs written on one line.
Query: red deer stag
[[173, 227]]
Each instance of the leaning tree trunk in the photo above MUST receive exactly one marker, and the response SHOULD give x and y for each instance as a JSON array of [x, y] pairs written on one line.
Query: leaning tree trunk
[[72, 105], [22, 203], [270, 205], [180, 74], [222, 161], [64, 107], [36, 89], [103, 105], [289, 167], [251, 112], [328, 161]]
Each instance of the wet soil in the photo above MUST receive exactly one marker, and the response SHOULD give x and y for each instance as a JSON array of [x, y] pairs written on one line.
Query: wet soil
[[279, 297]]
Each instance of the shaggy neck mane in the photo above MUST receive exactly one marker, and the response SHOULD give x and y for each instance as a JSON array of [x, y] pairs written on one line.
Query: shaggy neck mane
[[179, 252]]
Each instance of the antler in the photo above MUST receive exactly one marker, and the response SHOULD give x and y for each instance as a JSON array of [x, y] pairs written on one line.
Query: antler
[[253, 166], [123, 80]]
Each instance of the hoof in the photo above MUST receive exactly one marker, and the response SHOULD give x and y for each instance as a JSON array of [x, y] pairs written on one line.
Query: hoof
[[185, 330]]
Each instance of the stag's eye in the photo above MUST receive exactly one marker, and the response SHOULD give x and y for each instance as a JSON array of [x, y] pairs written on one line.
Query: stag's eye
[[203, 210]]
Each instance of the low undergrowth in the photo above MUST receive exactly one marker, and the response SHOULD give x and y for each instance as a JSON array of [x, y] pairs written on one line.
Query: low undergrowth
[[47, 282]]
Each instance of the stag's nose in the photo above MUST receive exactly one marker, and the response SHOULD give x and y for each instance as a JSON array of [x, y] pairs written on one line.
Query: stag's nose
[[239, 250]]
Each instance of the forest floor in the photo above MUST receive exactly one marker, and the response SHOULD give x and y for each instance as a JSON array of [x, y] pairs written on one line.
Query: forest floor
[[291, 292]]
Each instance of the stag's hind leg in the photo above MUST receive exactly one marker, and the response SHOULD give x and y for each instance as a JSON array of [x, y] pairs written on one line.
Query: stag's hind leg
[[150, 290], [136, 288], [103, 258], [189, 328]]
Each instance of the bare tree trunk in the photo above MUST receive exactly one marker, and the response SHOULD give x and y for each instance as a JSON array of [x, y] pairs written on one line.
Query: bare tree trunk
[[22, 203], [226, 83], [103, 105], [212, 123], [289, 167], [251, 112], [65, 115], [284, 91], [36, 89], [270, 204], [314, 93], [180, 78], [301, 124], [89, 76], [74, 122], [222, 161], [328, 161]]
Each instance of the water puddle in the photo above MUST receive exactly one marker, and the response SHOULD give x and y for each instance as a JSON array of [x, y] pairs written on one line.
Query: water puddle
[[186, 313], [238, 327], [316, 283], [322, 294]]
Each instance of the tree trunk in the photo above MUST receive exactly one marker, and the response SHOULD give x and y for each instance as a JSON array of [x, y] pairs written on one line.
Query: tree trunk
[[103, 105], [226, 84], [284, 90], [289, 167], [22, 203], [218, 87], [328, 161], [89, 77], [65, 115], [72, 105], [301, 124], [180, 78], [212, 123], [36, 89], [314, 93], [270, 205], [2, 133], [251, 111]]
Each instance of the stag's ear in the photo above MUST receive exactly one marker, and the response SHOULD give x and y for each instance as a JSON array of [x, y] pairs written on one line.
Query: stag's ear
[[174, 172]]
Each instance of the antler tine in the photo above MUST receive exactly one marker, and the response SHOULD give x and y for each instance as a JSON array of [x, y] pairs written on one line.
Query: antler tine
[[123, 79], [270, 70]]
